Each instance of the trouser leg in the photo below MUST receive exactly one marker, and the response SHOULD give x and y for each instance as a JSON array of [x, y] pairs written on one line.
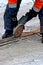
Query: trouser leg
[[28, 16], [18, 4], [10, 13], [41, 20], [8, 19]]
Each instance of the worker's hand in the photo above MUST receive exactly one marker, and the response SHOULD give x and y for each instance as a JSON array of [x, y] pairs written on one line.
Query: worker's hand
[[14, 18]]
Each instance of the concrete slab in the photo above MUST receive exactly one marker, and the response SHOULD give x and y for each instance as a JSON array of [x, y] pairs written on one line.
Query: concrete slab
[[27, 51]]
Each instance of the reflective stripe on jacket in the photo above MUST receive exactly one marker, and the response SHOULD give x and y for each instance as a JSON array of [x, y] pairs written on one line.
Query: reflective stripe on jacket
[[38, 5], [12, 3]]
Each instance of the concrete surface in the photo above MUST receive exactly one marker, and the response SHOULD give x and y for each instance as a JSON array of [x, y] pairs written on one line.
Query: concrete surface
[[27, 51]]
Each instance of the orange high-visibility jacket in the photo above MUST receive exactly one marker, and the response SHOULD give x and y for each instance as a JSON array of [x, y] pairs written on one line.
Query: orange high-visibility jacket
[[12, 3], [38, 5]]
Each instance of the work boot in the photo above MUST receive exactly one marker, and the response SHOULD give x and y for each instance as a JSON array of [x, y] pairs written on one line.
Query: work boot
[[8, 33]]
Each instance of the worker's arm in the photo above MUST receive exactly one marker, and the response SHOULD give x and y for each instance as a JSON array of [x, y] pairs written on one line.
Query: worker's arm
[[31, 14], [28, 16]]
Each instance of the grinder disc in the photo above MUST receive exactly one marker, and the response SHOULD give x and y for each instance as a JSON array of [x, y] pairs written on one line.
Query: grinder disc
[[18, 30]]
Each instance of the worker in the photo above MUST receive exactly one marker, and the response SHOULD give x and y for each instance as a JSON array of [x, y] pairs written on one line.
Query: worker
[[10, 17], [37, 9]]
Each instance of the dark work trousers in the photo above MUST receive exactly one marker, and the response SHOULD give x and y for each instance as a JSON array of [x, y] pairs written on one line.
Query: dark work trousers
[[41, 20], [8, 23]]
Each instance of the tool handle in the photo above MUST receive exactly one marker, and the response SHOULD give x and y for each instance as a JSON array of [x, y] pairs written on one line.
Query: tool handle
[[23, 20]]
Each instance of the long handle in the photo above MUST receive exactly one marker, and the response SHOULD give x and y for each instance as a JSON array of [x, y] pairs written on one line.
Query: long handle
[[23, 20]]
